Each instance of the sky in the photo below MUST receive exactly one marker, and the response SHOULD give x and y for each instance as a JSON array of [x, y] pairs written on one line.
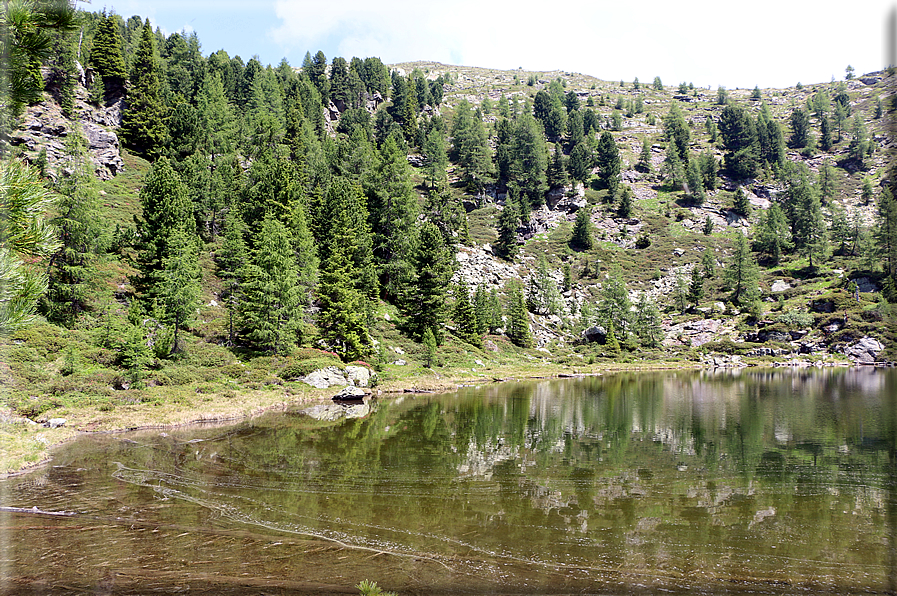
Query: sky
[[768, 43]]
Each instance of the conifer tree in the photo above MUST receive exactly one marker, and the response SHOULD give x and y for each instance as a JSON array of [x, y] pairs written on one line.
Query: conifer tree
[[180, 284], [580, 163], [708, 265], [80, 234], [740, 141], [435, 156], [675, 130], [429, 341], [494, 309], [825, 131], [609, 164], [542, 294], [556, 174], [624, 209], [165, 208], [143, 123], [644, 158], [646, 324], [481, 308], [518, 330], [529, 159], [232, 258], [740, 203], [582, 229], [886, 233], [506, 245], [696, 287], [466, 317], [826, 182], [695, 183], [673, 171], [742, 273], [106, 54], [217, 117], [614, 307], [270, 310], [773, 234], [424, 301]]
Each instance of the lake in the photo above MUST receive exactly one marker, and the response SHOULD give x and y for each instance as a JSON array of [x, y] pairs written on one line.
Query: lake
[[737, 482]]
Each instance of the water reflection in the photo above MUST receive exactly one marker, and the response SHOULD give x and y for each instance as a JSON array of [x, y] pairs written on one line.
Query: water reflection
[[714, 482]]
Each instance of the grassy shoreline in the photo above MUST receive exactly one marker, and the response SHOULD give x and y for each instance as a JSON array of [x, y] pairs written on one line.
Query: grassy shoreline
[[25, 446]]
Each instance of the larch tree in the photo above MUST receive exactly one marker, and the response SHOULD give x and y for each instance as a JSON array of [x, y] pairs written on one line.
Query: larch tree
[[582, 229], [180, 283], [607, 156], [773, 234], [742, 273], [270, 311]]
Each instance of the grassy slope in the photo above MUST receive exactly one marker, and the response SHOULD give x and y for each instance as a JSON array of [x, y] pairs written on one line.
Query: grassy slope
[[211, 381]]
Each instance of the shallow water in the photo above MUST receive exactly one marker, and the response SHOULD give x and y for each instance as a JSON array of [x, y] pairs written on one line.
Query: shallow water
[[738, 482]]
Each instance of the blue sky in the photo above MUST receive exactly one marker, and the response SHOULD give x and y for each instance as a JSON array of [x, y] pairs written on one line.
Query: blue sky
[[770, 43]]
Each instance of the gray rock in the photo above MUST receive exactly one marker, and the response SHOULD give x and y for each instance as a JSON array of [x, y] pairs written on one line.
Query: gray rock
[[55, 422], [866, 285], [325, 412], [349, 392], [326, 377], [780, 285], [400, 363], [360, 376], [865, 351]]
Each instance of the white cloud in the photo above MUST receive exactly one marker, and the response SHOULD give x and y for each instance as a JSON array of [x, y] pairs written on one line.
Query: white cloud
[[768, 42]]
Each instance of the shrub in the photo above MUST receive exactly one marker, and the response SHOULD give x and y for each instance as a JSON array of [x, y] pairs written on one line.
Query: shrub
[[795, 319]]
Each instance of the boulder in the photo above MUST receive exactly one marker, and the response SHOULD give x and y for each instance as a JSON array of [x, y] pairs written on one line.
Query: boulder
[[326, 377], [822, 305], [865, 351], [360, 376], [349, 393], [55, 422], [595, 334], [780, 285]]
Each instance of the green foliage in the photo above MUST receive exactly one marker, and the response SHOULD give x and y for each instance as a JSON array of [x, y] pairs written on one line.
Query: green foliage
[[708, 226], [607, 156], [25, 239], [773, 234], [106, 54], [180, 284], [143, 123], [517, 330], [740, 142], [465, 317], [614, 307], [429, 341], [795, 319], [506, 245], [369, 588], [424, 303], [582, 229], [742, 273], [270, 312], [542, 294], [740, 203], [165, 208]]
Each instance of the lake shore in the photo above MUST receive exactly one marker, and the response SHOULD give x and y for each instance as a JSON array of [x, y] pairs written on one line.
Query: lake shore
[[26, 444]]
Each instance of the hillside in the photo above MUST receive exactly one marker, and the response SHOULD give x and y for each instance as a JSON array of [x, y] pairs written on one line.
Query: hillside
[[351, 185]]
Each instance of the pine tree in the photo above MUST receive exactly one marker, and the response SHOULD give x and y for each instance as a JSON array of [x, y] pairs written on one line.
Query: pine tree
[[143, 123], [542, 295], [673, 171], [740, 203], [582, 229], [624, 209], [773, 234], [436, 157], [465, 317], [80, 234], [646, 324], [609, 163], [800, 128], [25, 238], [675, 130], [232, 259], [528, 154], [742, 273], [517, 330], [580, 164], [644, 158], [708, 265], [180, 284], [695, 183], [106, 54], [886, 232], [270, 311], [429, 341], [740, 141], [424, 301], [613, 309], [165, 208], [557, 170], [825, 131], [481, 308], [506, 245], [696, 287]]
